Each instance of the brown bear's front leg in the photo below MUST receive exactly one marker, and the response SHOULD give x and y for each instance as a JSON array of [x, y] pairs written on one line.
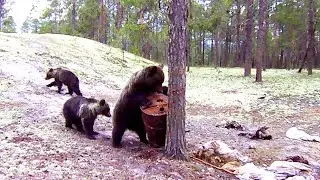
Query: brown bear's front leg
[[117, 133], [52, 84], [88, 128]]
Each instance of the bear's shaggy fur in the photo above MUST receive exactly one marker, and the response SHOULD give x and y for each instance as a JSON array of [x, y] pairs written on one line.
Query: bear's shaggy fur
[[63, 76], [165, 90], [127, 113], [82, 112]]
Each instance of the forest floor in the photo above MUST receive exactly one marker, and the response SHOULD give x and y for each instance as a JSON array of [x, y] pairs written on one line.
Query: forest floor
[[34, 144]]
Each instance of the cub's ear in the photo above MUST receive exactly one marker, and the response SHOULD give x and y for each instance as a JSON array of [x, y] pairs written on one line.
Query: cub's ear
[[161, 66], [102, 102], [50, 70]]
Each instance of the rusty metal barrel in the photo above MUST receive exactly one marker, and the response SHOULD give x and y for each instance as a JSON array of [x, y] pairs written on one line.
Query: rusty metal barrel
[[155, 119]]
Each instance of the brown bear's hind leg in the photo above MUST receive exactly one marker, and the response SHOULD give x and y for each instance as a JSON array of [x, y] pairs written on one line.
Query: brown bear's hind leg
[[142, 133], [59, 84], [78, 124], [77, 91], [70, 90]]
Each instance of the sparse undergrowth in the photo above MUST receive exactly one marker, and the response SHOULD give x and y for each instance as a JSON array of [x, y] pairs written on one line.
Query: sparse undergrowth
[[35, 143]]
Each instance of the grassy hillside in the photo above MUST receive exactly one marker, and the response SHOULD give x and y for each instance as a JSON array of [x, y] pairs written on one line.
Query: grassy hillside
[[87, 58]]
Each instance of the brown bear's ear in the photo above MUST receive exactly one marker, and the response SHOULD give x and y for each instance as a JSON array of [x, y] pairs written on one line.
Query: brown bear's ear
[[102, 102], [153, 70], [50, 70]]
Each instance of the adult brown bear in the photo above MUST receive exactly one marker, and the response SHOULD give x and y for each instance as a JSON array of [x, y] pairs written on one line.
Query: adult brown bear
[[127, 113], [63, 76]]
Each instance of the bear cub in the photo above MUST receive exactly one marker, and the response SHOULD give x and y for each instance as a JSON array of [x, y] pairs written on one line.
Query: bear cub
[[82, 112], [127, 113], [63, 76]]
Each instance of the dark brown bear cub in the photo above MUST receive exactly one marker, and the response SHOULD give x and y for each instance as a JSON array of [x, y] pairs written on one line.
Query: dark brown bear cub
[[63, 76], [82, 112], [127, 113]]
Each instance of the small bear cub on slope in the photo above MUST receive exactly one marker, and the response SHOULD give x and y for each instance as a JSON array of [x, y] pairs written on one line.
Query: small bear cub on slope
[[82, 112], [63, 76]]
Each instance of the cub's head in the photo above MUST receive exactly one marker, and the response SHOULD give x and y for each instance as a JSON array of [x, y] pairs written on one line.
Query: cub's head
[[149, 79], [50, 74], [103, 108]]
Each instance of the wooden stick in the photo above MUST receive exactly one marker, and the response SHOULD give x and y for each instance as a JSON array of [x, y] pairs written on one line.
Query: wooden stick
[[211, 165]]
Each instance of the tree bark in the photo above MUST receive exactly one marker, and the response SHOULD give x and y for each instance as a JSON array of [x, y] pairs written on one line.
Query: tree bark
[[119, 16], [189, 38], [216, 43], [177, 57], [248, 41], [262, 32], [102, 22], [226, 50], [73, 15], [266, 46], [310, 52], [203, 45], [311, 29], [238, 45], [212, 49]]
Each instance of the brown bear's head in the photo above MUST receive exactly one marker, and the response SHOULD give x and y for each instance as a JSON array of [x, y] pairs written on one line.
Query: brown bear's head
[[50, 74], [149, 79], [103, 108]]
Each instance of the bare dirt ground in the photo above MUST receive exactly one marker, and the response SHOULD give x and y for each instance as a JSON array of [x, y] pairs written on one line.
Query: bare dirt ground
[[34, 144]]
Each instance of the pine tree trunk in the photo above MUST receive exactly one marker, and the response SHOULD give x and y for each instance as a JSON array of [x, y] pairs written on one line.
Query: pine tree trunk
[[238, 46], [189, 38], [189, 49], [262, 32], [102, 22], [212, 49], [203, 45], [216, 40], [266, 49], [119, 15], [73, 15], [248, 41], [226, 50], [311, 39], [177, 57]]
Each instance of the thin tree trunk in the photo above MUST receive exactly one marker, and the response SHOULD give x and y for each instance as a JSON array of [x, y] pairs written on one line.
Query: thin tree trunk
[[266, 49], [262, 32], [189, 49], [189, 37], [238, 46], [178, 30], [119, 16], [216, 43], [212, 49], [102, 22], [248, 41], [203, 45], [227, 44], [73, 15], [311, 38]]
